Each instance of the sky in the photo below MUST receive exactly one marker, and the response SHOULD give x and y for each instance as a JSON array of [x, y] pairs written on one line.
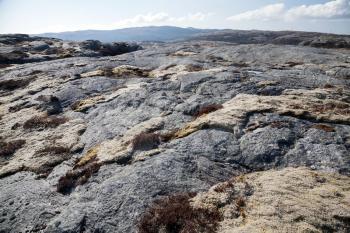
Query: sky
[[39, 16]]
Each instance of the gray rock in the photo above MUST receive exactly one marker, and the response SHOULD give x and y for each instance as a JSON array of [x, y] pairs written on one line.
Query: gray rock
[[104, 112]]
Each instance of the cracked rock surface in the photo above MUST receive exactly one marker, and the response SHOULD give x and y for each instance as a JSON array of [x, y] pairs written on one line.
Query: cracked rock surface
[[259, 134]]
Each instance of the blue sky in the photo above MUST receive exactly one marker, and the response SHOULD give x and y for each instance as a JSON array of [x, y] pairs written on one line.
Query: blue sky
[[37, 16]]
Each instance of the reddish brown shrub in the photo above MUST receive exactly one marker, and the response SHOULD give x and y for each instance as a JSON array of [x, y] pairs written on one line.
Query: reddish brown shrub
[[145, 141], [194, 68], [240, 204], [208, 109], [324, 127], [9, 148], [76, 177], [55, 150], [166, 137], [43, 122], [336, 108], [328, 86], [174, 214], [223, 186], [12, 84], [292, 63], [279, 124]]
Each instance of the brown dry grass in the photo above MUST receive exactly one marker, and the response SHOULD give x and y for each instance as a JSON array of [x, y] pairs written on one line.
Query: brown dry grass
[[222, 187], [166, 137], [240, 204], [144, 141], [174, 214], [9, 148], [336, 108], [76, 177], [208, 109], [43, 122], [328, 86], [194, 68], [55, 150], [10, 85], [324, 127], [292, 63]]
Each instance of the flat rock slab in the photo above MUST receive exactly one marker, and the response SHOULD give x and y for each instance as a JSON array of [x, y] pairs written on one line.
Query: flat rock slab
[[89, 143]]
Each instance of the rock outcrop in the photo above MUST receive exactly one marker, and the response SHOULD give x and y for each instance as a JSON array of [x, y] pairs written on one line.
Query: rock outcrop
[[20, 48], [251, 137]]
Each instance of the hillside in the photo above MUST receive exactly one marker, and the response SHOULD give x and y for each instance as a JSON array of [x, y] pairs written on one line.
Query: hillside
[[167, 33], [162, 33]]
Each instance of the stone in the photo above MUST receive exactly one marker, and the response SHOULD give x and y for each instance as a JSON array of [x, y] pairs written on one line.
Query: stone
[[283, 129]]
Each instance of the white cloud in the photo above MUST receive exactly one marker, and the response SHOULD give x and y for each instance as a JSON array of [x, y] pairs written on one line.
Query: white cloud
[[155, 19], [328, 10], [142, 19], [332, 9], [265, 13], [160, 18]]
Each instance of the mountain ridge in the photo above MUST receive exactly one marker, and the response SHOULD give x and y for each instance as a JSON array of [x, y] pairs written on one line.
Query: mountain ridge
[[171, 34], [150, 33]]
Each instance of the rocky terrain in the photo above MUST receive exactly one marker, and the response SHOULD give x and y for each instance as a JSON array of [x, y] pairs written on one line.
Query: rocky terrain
[[20, 48], [313, 39], [196, 136]]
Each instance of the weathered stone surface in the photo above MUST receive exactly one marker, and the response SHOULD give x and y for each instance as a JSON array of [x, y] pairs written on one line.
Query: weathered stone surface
[[18, 49], [281, 107], [323, 105]]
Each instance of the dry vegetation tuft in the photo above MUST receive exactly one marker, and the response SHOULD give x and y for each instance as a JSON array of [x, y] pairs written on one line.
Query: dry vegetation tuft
[[328, 86], [174, 214], [336, 108], [222, 187], [43, 122], [11, 84], [168, 136], [324, 127], [146, 141], [208, 109], [240, 204], [9, 148], [55, 150], [292, 63], [76, 177], [194, 68]]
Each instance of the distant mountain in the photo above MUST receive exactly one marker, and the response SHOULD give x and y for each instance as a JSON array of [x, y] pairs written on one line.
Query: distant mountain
[[162, 33], [169, 33]]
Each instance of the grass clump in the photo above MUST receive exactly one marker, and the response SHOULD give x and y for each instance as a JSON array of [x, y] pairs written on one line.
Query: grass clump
[[55, 150], [208, 109], [76, 177], [336, 108], [222, 187], [240, 205], [11, 84], [9, 148], [326, 128], [146, 141], [174, 214], [43, 122]]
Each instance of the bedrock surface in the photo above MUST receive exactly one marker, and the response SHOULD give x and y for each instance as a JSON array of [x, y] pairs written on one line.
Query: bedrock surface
[[88, 144]]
